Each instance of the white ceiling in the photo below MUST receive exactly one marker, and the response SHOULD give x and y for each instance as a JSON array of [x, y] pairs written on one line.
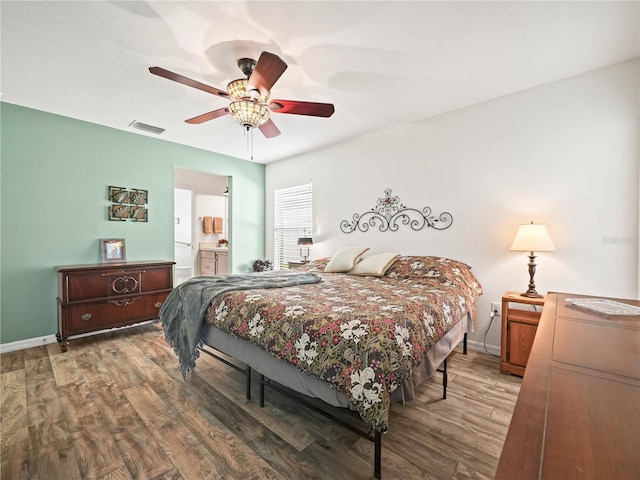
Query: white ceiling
[[382, 63]]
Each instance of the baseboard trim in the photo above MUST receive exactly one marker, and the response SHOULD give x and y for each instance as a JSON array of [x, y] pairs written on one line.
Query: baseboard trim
[[37, 341], [28, 343]]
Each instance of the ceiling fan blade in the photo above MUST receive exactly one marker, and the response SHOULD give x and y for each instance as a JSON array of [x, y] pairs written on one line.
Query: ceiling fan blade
[[296, 107], [266, 72], [205, 117], [176, 77], [269, 129]]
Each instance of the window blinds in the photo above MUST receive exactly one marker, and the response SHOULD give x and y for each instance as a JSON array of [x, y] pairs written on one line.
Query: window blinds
[[292, 219]]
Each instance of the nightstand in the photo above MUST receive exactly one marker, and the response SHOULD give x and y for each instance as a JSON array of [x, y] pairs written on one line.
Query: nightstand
[[520, 319]]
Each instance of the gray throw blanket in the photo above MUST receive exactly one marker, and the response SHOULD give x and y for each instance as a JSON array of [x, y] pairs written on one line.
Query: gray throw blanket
[[182, 313]]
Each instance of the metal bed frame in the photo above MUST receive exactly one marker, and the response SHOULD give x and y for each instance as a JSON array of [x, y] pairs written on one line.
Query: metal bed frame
[[375, 438]]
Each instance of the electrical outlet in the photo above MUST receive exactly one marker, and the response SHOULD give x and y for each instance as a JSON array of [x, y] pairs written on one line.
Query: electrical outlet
[[496, 306]]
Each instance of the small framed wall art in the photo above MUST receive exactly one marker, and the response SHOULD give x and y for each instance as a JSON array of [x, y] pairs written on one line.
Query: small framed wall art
[[113, 250], [138, 197], [128, 204], [137, 214], [118, 212], [118, 195]]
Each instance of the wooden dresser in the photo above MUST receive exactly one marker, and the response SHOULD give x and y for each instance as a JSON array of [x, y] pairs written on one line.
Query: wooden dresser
[[578, 410], [100, 296]]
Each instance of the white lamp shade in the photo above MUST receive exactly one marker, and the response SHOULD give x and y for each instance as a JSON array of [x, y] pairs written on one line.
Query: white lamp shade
[[532, 238]]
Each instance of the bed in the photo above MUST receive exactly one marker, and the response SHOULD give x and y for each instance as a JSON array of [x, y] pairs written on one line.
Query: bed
[[361, 341]]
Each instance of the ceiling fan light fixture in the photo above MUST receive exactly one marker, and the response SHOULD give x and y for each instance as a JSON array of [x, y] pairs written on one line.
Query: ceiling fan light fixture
[[250, 96], [237, 88], [248, 113]]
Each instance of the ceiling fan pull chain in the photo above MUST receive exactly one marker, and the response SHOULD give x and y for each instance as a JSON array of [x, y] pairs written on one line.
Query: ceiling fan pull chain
[[248, 133], [252, 144]]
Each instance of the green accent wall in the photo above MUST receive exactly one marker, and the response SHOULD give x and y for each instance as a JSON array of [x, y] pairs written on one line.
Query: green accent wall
[[54, 176]]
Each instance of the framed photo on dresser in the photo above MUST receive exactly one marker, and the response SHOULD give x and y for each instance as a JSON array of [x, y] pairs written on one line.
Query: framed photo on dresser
[[113, 250]]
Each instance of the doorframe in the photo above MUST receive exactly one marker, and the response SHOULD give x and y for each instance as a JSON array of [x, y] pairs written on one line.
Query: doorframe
[[192, 236], [191, 185]]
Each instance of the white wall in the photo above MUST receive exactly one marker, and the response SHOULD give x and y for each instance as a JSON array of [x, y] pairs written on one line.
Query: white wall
[[564, 154], [210, 206]]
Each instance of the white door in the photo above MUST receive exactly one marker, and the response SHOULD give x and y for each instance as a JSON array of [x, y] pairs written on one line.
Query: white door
[[182, 235]]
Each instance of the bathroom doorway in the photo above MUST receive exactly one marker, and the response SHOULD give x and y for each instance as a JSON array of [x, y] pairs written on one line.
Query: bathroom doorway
[[198, 198]]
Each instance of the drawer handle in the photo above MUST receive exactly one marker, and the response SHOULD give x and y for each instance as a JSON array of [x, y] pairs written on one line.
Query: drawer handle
[[85, 316], [124, 284], [124, 302], [157, 304]]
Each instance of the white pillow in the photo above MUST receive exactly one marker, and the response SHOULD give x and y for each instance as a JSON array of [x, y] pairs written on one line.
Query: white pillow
[[345, 259], [375, 265]]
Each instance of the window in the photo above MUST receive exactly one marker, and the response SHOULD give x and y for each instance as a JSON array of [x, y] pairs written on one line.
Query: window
[[292, 219]]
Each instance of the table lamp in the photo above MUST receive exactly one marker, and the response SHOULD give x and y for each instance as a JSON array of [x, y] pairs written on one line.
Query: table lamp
[[532, 238], [304, 242]]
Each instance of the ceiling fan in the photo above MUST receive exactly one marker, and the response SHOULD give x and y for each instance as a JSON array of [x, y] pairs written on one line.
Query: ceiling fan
[[250, 97]]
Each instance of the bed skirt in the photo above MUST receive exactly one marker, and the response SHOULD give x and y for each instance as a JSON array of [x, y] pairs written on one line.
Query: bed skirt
[[289, 376]]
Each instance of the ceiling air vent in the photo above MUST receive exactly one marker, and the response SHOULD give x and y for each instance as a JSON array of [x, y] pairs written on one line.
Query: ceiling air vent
[[146, 128]]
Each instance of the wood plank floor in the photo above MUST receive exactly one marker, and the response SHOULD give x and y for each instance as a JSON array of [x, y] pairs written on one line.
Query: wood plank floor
[[115, 407]]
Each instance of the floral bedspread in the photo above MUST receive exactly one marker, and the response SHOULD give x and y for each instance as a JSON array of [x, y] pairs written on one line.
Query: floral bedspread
[[362, 335]]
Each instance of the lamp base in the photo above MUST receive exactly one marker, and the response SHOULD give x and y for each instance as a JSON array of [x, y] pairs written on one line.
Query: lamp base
[[531, 291], [531, 294]]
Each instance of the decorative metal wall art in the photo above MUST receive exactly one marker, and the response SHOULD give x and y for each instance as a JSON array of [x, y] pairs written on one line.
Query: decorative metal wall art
[[128, 204], [389, 211]]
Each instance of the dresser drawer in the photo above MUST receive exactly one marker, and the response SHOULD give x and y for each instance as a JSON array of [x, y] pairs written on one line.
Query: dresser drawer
[[87, 317]]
